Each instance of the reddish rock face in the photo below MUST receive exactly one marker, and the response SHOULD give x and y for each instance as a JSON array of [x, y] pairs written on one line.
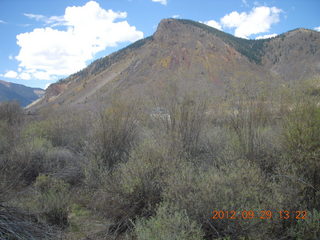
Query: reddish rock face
[[54, 90]]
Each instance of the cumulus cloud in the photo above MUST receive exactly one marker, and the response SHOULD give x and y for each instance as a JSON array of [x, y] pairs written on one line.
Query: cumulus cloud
[[163, 2], [213, 23], [176, 16], [47, 53], [259, 20], [266, 36], [10, 74], [317, 28], [25, 76]]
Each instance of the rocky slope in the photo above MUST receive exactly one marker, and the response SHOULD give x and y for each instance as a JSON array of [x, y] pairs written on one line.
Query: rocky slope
[[192, 56]]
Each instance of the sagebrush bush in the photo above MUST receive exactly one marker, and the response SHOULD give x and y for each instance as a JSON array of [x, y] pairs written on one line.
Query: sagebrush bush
[[62, 130], [308, 228], [27, 160], [301, 141], [5, 136], [64, 164], [11, 119], [134, 188], [239, 185], [168, 223], [52, 200]]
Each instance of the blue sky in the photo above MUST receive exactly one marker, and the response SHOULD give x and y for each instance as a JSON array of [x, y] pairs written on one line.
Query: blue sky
[[43, 41]]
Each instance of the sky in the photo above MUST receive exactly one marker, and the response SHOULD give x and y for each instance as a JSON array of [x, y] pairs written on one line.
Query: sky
[[43, 41]]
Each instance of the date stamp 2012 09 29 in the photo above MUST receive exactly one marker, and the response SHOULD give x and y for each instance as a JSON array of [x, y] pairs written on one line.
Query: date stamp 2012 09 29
[[260, 214]]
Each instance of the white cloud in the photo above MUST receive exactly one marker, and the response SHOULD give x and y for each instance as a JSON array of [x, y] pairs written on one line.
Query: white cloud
[[213, 23], [259, 20], [42, 75], [47, 53], [245, 3], [25, 76], [11, 74], [266, 36], [317, 28], [34, 16], [47, 85], [53, 21], [176, 16], [163, 2]]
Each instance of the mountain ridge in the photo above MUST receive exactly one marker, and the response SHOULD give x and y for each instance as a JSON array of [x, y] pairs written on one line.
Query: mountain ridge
[[18, 92], [189, 50]]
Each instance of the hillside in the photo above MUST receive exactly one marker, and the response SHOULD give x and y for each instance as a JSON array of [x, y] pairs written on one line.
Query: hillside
[[189, 134], [24, 95], [194, 56]]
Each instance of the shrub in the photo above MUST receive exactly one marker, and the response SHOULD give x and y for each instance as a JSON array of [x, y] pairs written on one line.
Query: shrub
[[65, 165], [168, 223], [182, 124], [114, 134], [134, 188], [62, 130], [52, 200], [5, 136], [12, 113], [11, 118], [302, 148], [28, 160], [15, 224], [238, 185], [250, 122], [308, 228]]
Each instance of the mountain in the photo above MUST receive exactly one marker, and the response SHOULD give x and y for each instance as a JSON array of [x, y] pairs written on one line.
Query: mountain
[[192, 56], [24, 95]]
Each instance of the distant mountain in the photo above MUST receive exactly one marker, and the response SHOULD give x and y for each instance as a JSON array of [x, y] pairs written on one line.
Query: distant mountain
[[193, 56], [22, 94]]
